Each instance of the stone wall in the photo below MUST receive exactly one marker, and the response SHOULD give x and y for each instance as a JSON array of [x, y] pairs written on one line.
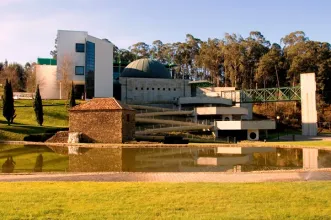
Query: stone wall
[[148, 91], [128, 126], [100, 126]]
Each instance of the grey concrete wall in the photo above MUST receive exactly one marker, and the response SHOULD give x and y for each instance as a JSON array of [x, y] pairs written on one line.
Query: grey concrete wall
[[147, 91], [308, 104]]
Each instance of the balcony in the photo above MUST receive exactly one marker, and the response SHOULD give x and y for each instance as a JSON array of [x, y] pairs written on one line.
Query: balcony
[[245, 125]]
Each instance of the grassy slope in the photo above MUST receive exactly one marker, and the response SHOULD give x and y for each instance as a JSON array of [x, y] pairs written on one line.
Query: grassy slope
[[25, 123], [87, 200]]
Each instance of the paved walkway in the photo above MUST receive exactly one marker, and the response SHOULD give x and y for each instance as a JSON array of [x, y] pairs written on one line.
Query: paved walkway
[[173, 177]]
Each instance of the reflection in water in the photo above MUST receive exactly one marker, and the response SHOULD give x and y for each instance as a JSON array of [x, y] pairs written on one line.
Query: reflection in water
[[39, 163], [101, 160], [221, 159], [9, 165], [218, 159]]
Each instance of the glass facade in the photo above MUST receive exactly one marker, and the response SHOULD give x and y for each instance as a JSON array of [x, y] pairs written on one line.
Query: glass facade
[[89, 69], [80, 48]]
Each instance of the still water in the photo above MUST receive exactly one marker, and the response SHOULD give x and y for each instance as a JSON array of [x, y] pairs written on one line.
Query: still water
[[23, 158]]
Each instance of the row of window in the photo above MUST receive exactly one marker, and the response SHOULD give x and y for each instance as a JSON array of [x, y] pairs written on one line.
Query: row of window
[[169, 89], [79, 70]]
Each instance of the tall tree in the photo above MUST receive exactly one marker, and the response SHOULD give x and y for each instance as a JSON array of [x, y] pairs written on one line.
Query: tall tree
[[31, 80], [53, 53], [72, 101], [38, 107], [8, 109], [140, 50], [255, 47], [233, 62], [125, 56], [270, 68], [66, 72], [15, 73], [156, 51], [211, 57]]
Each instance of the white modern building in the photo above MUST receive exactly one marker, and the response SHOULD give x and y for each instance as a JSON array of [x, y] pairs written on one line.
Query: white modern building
[[82, 59]]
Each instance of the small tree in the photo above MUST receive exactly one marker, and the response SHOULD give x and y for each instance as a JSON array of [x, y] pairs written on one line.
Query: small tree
[[72, 101], [38, 107], [8, 110]]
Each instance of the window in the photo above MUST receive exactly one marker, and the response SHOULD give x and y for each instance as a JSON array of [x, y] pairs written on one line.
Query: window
[[80, 48], [136, 88], [169, 89], [89, 69], [79, 70], [174, 89]]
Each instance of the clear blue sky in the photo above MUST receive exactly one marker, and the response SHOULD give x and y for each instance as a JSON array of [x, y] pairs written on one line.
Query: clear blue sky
[[28, 27]]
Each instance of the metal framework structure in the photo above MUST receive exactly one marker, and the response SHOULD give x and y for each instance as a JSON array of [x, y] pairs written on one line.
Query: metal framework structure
[[282, 94]]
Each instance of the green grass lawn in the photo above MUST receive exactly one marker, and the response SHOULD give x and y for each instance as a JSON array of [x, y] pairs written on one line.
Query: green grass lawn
[[55, 116], [89, 200]]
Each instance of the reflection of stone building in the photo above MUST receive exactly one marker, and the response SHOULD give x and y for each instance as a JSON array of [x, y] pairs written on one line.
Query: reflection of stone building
[[221, 159], [103, 120], [102, 160]]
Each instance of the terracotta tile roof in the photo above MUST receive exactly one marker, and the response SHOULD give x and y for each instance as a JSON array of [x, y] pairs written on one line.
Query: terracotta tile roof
[[101, 104]]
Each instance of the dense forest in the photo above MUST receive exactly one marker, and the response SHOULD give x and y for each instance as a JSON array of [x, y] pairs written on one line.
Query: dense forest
[[244, 63]]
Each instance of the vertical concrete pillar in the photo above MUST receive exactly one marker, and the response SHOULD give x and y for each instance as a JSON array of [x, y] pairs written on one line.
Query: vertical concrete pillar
[[308, 104]]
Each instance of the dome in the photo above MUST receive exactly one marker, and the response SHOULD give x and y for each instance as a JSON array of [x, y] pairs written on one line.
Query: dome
[[146, 68]]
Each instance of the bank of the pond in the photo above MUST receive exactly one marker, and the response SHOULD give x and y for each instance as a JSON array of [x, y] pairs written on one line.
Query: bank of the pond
[[89, 200], [288, 144]]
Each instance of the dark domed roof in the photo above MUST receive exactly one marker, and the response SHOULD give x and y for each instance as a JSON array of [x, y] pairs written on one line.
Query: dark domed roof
[[146, 68]]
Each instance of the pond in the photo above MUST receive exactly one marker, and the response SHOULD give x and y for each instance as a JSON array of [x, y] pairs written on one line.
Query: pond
[[27, 158]]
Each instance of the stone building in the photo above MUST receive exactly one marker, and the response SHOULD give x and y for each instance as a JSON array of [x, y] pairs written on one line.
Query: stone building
[[146, 81], [103, 120]]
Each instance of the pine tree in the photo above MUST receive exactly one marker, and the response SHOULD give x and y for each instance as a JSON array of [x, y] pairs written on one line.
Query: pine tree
[[38, 107], [72, 101], [8, 110]]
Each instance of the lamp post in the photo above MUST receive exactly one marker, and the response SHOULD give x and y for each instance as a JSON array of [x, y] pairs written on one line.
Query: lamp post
[[277, 125]]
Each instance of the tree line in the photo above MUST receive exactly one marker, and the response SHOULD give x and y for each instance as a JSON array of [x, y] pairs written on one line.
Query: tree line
[[22, 78], [244, 63]]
